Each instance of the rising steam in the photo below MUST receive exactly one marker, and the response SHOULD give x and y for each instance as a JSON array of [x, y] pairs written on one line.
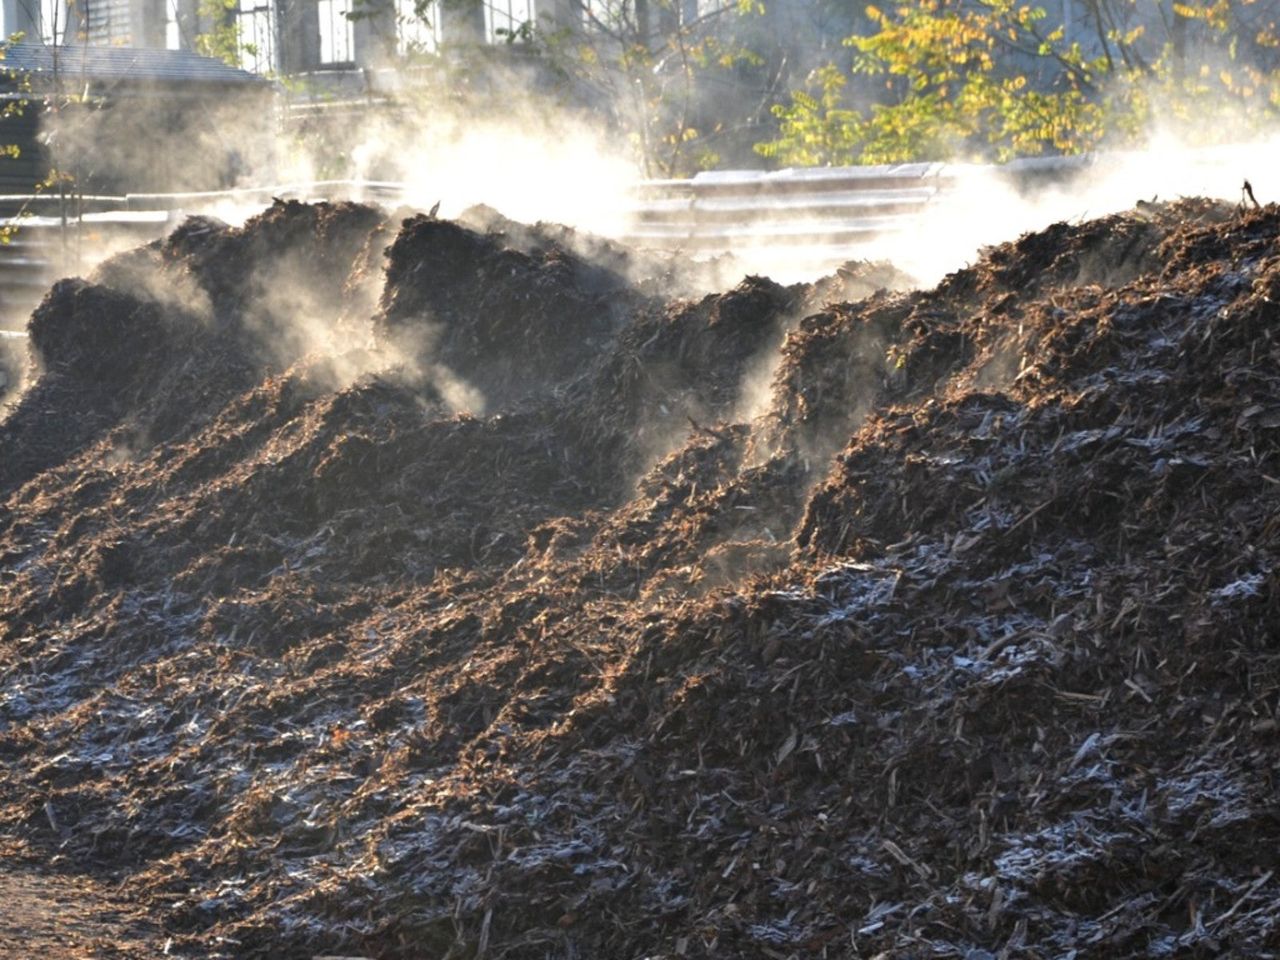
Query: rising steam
[[535, 162], [532, 160], [987, 207]]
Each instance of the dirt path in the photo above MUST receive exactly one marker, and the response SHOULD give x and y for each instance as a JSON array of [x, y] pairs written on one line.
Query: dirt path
[[61, 918]]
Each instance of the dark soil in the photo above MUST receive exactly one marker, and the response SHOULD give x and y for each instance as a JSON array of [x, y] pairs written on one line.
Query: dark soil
[[529, 627]]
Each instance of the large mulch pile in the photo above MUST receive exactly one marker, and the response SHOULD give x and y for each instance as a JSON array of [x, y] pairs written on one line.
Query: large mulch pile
[[537, 615]]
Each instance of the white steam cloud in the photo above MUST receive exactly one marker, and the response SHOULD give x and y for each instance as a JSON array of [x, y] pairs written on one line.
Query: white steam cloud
[[986, 207], [556, 170], [532, 162], [989, 205]]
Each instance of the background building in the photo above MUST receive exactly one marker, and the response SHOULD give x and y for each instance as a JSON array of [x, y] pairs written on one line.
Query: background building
[[112, 120]]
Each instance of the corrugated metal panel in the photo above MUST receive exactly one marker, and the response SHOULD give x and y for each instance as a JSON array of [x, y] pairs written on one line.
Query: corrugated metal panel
[[834, 207], [123, 64]]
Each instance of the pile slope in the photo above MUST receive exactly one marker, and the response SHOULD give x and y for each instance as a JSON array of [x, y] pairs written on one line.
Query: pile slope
[[532, 627]]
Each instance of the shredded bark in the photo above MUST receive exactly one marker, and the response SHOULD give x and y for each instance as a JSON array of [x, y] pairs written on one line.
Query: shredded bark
[[561, 619]]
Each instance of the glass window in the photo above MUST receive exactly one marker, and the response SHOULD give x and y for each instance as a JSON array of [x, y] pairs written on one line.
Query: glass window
[[337, 33], [417, 27], [256, 26], [172, 26], [53, 22], [507, 21]]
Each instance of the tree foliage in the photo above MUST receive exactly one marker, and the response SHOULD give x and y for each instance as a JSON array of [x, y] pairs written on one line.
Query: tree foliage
[[220, 38], [677, 82], [996, 79]]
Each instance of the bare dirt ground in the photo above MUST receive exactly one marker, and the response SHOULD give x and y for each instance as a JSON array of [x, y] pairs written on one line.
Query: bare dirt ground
[[61, 918]]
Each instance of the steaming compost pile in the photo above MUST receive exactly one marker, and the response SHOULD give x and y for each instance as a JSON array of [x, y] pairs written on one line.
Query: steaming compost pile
[[540, 616]]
